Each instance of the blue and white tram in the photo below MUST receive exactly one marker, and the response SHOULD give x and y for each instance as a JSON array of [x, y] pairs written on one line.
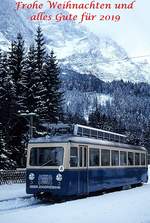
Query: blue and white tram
[[87, 160]]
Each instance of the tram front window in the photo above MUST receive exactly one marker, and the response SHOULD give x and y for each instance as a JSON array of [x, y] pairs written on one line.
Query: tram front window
[[52, 156]]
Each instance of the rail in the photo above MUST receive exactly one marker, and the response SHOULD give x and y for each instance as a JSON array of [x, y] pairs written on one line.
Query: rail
[[12, 176]]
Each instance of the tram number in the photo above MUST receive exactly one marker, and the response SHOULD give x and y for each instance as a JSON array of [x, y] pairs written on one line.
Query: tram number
[[61, 169], [114, 18]]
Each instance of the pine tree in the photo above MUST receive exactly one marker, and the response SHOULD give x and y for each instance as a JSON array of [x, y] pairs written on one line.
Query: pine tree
[[102, 121], [17, 124], [8, 98], [5, 161], [40, 54], [3, 152], [16, 65], [53, 95], [145, 139], [8, 109], [74, 118], [30, 80]]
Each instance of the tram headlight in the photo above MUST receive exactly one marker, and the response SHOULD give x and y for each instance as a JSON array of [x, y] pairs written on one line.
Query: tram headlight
[[31, 176], [59, 177]]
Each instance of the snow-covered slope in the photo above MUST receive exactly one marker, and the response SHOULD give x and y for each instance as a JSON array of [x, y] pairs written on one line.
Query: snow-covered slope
[[89, 101], [76, 47], [104, 58], [12, 22]]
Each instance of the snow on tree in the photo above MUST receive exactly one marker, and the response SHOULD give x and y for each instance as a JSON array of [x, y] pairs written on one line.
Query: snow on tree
[[16, 65], [52, 84], [40, 54], [40, 51], [30, 80], [8, 109], [17, 125]]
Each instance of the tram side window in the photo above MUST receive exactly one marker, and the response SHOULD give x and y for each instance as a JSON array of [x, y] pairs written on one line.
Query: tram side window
[[86, 132], [80, 156], [111, 137], [123, 158], [130, 159], [143, 160], [106, 136], [114, 158], [117, 138], [73, 156], [137, 159], [94, 157], [105, 157], [85, 157], [79, 131], [93, 133], [100, 135]]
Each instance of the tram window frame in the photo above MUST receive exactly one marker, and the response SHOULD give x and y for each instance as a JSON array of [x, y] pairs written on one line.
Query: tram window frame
[[124, 159], [93, 133], [111, 137], [143, 155], [107, 162], [85, 154], [80, 131], [75, 157], [123, 139], [117, 138], [80, 156], [106, 136], [114, 161], [100, 135], [130, 159], [137, 159], [97, 162], [86, 132], [46, 156]]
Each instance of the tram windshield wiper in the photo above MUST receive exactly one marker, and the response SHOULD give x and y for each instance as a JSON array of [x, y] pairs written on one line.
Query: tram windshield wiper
[[44, 164]]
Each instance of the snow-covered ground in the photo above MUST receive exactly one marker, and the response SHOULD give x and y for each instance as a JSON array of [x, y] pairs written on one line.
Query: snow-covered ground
[[10, 191], [128, 206]]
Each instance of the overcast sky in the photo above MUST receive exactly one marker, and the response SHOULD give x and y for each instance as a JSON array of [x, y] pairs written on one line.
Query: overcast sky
[[133, 30]]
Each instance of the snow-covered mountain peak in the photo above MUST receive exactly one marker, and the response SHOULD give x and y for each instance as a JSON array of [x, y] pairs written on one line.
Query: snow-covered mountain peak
[[76, 48]]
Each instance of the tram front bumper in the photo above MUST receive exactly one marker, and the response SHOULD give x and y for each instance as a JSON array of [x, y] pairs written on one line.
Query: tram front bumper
[[43, 181]]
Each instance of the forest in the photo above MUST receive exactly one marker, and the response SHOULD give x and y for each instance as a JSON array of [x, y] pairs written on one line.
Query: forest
[[127, 112]]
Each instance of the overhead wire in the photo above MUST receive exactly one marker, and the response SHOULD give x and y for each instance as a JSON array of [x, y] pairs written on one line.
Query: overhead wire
[[123, 59]]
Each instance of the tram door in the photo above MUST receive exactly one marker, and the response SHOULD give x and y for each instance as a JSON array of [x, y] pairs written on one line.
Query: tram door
[[83, 173]]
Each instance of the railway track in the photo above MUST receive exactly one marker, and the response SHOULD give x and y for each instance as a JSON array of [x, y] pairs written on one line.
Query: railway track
[[14, 198], [29, 201], [18, 203]]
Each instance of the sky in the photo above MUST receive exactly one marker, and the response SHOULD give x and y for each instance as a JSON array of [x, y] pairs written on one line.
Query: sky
[[132, 32]]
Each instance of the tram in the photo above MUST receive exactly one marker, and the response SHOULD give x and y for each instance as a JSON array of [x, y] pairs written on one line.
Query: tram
[[76, 160]]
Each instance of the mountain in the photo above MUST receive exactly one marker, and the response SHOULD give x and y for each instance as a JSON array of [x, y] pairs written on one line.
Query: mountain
[[92, 70], [12, 22], [76, 48]]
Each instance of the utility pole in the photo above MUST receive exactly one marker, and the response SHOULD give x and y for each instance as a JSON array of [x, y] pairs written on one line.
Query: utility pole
[[29, 117], [1, 132]]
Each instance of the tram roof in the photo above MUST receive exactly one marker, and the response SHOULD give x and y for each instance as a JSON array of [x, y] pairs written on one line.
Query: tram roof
[[99, 130], [83, 140]]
